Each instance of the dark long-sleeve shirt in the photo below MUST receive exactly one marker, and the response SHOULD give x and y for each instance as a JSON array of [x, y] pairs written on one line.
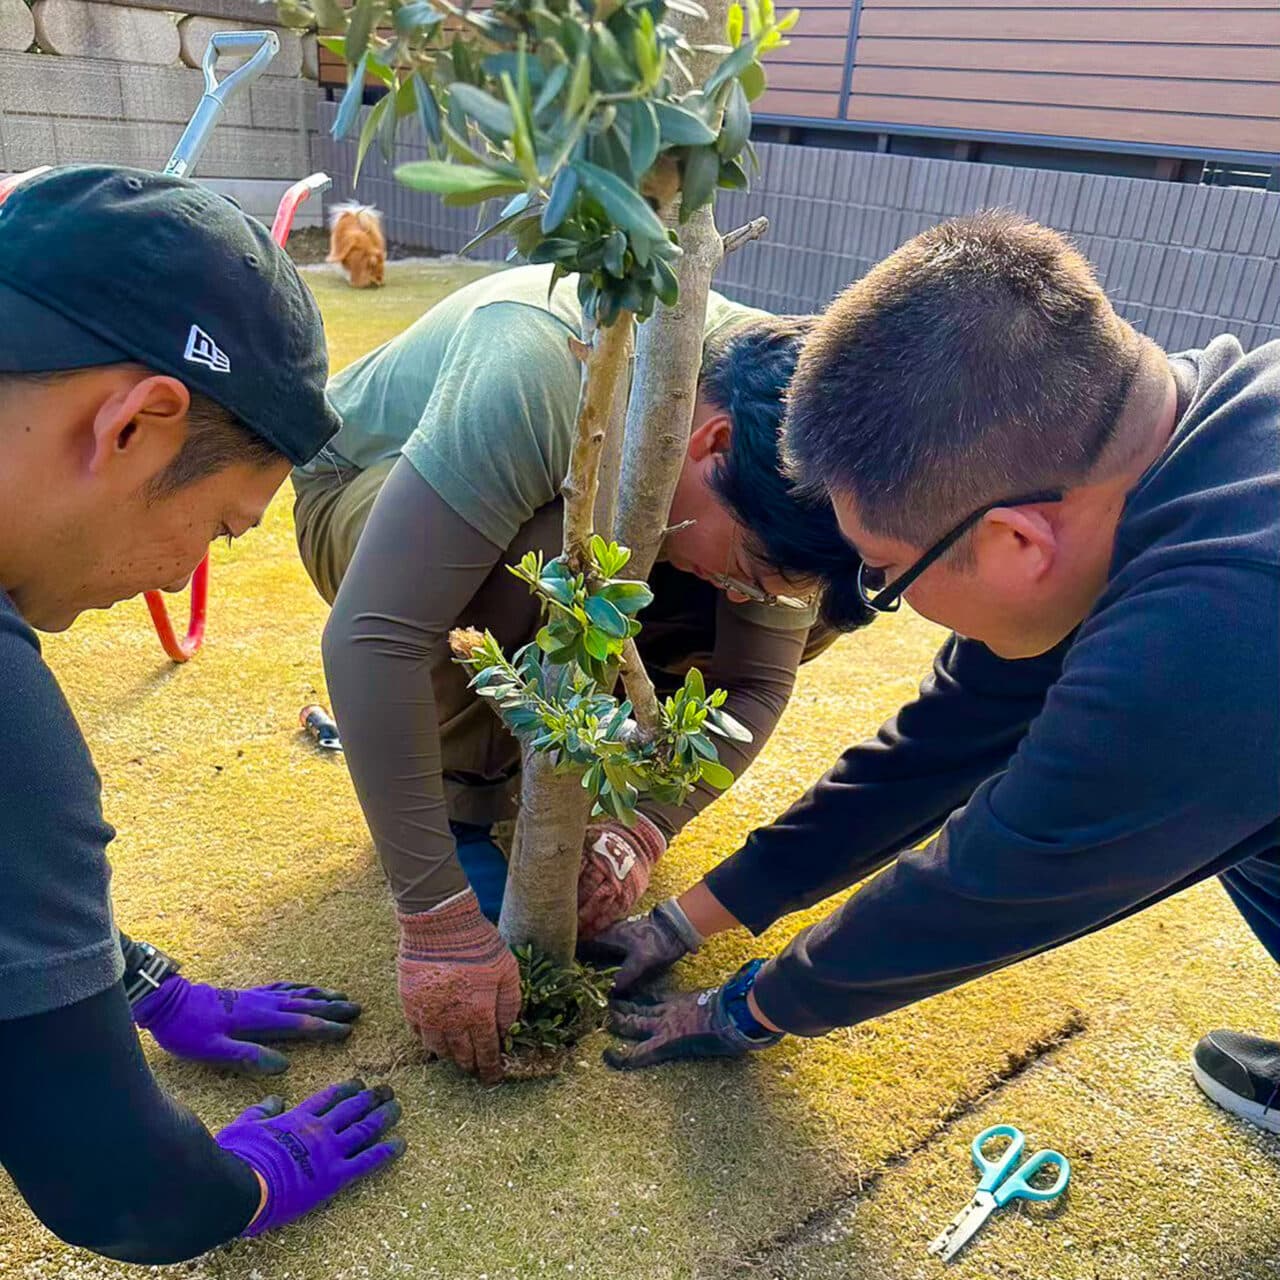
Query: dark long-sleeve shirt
[[104, 1157], [1149, 761], [76, 1097]]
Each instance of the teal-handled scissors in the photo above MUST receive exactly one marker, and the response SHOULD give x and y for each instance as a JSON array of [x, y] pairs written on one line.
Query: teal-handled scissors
[[1000, 1183]]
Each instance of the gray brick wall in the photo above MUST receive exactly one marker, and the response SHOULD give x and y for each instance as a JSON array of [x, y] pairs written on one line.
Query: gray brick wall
[[1181, 262], [108, 83], [63, 110]]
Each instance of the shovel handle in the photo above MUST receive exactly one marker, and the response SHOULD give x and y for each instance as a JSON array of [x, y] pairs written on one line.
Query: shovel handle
[[265, 45]]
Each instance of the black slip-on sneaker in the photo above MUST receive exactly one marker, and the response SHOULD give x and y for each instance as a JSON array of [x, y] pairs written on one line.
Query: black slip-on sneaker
[[1242, 1075]]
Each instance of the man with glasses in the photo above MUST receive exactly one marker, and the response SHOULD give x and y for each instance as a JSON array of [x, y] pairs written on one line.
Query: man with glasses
[[1099, 523], [461, 430]]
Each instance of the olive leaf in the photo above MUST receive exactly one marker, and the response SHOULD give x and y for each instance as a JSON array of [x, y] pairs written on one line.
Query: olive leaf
[[621, 202], [360, 28], [645, 137], [492, 116], [381, 109], [678, 127], [701, 173], [753, 81], [352, 100], [330, 15], [448, 180], [736, 127], [564, 191], [732, 67]]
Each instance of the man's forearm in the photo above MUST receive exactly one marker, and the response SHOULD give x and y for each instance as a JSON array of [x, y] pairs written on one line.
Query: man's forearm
[[757, 667], [83, 1101], [1116, 799], [963, 908], [417, 565], [705, 912], [890, 793]]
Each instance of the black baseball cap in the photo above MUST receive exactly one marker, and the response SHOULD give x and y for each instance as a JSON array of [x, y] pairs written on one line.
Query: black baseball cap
[[101, 264]]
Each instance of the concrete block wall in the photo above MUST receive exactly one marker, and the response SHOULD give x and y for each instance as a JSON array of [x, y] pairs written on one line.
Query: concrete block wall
[[1181, 262], [17, 26], [113, 82]]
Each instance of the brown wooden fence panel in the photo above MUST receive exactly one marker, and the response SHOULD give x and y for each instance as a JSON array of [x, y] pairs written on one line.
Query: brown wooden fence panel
[[812, 106], [1080, 4], [1181, 262], [1195, 97], [1150, 127], [823, 20], [1199, 75], [1229, 62], [1107, 26]]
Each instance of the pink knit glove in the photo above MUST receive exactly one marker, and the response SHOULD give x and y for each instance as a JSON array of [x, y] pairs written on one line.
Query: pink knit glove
[[459, 984], [616, 864]]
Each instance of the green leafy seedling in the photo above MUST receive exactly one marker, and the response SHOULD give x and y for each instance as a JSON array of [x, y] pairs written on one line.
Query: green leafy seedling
[[560, 1006]]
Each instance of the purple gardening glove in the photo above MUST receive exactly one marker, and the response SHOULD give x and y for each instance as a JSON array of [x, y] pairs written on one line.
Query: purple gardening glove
[[225, 1027], [307, 1155]]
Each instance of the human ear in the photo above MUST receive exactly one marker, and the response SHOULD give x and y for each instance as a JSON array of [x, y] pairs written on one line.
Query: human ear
[[1018, 543], [710, 436], [140, 426]]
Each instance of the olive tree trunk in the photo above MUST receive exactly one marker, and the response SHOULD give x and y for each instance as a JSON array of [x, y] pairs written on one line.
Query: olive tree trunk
[[639, 474], [541, 900]]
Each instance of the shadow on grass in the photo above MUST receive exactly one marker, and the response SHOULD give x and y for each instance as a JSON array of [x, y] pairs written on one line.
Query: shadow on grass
[[697, 1163]]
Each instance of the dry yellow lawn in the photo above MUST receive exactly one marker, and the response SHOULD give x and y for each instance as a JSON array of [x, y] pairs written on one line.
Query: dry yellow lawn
[[242, 850]]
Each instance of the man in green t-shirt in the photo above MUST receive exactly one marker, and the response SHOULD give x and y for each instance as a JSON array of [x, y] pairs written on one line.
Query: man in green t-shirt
[[456, 440]]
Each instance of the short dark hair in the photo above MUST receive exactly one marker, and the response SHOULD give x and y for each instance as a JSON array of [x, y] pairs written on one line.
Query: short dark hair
[[745, 372], [980, 361], [215, 440]]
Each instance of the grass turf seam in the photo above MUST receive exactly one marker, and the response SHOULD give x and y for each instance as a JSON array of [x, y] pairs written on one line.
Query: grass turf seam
[[761, 1262]]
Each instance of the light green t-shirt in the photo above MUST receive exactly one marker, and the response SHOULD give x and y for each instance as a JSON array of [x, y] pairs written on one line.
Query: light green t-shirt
[[480, 394]]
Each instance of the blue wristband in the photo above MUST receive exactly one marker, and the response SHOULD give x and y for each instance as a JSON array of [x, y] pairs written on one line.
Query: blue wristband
[[739, 1011]]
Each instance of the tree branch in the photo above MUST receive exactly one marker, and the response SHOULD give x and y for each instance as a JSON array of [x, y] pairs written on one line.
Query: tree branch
[[611, 457], [744, 234], [640, 690], [605, 365]]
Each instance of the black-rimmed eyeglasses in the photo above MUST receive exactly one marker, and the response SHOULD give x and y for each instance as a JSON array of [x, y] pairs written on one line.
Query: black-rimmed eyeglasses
[[874, 592]]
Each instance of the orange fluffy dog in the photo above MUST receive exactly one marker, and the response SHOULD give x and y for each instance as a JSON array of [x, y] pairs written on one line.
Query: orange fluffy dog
[[356, 241]]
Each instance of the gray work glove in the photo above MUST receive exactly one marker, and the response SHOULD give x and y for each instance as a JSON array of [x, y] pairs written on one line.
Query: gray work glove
[[643, 946]]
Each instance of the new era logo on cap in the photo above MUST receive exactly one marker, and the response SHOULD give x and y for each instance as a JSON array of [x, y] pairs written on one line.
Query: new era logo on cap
[[71, 234], [201, 349]]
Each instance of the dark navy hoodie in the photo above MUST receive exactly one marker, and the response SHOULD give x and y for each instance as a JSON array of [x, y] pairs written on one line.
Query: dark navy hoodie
[[1138, 758]]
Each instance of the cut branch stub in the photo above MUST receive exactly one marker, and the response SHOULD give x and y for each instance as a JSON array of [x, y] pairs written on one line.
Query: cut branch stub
[[640, 690], [756, 229]]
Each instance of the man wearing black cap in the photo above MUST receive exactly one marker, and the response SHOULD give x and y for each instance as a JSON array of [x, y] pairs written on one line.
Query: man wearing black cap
[[161, 368]]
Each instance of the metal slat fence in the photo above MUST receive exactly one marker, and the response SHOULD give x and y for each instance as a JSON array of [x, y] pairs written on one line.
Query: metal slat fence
[[1181, 262]]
